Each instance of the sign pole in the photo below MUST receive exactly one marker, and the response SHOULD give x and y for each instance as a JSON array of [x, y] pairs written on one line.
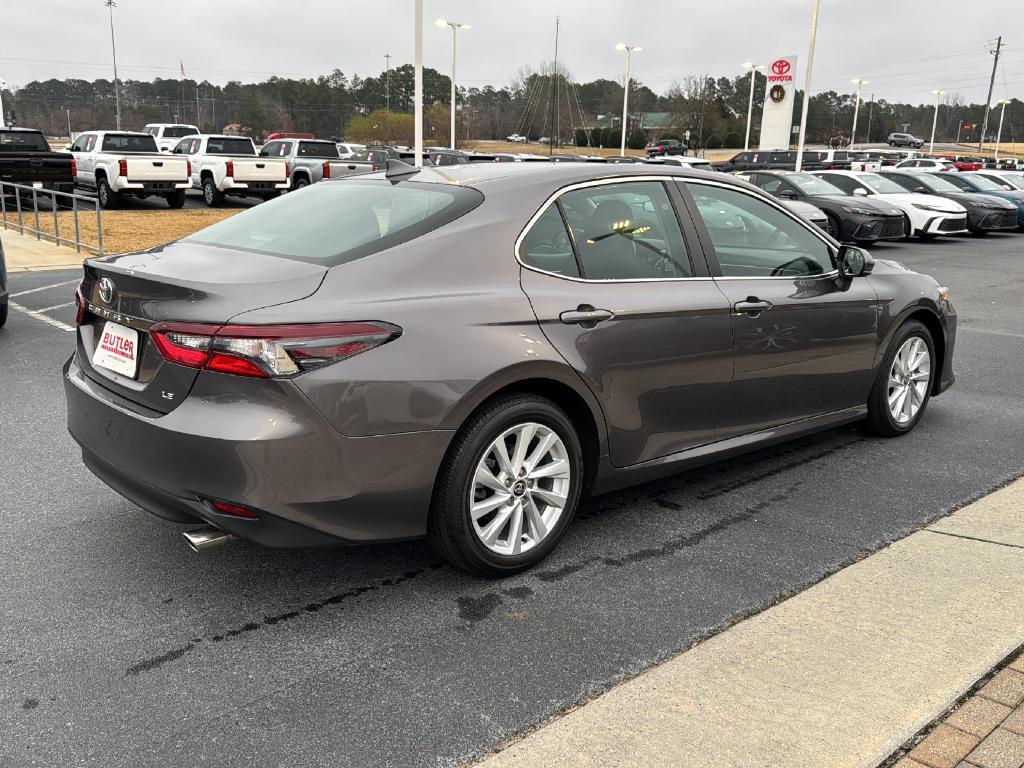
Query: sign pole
[[807, 87]]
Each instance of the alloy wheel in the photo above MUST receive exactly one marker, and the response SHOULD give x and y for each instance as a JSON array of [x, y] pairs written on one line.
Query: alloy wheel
[[909, 377], [520, 488]]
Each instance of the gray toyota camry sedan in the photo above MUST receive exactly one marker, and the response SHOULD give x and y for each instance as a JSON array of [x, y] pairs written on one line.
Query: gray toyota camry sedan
[[465, 353]]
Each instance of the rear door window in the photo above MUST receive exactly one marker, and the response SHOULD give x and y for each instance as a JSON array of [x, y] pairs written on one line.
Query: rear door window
[[325, 149], [626, 231], [218, 145], [129, 142]]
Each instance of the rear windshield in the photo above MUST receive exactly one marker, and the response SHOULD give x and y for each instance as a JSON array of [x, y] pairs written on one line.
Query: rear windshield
[[318, 149], [342, 221], [129, 142], [17, 141], [180, 131], [229, 146]]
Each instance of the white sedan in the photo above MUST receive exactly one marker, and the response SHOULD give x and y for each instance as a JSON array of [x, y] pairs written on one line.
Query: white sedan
[[927, 164], [929, 215]]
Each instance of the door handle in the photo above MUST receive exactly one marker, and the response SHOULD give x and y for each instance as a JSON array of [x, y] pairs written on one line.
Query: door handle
[[752, 306], [586, 316]]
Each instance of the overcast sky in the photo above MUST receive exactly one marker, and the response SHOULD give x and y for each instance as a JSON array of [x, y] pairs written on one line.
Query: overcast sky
[[904, 48]]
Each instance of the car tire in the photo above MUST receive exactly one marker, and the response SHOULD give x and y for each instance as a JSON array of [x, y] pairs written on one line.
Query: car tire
[[3, 314], [912, 337], [176, 199], [108, 198], [212, 196], [892, 143], [452, 531], [301, 182], [271, 195], [835, 227]]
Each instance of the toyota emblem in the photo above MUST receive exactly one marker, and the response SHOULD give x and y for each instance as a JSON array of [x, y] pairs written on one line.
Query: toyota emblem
[[106, 290], [780, 67]]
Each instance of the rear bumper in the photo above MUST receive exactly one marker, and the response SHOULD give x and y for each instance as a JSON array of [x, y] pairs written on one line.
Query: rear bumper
[[252, 187], [264, 447], [150, 187]]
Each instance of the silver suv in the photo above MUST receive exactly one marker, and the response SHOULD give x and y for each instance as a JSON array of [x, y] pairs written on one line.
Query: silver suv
[[904, 140]]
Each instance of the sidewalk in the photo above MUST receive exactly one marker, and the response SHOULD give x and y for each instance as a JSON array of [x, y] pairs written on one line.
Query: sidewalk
[[23, 253], [842, 674]]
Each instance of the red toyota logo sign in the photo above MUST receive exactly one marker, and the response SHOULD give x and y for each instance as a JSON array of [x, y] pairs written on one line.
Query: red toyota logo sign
[[780, 67]]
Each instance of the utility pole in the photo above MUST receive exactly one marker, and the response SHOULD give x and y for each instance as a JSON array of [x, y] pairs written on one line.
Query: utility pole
[[68, 110], [871, 108], [935, 119], [387, 97], [199, 123], [856, 108], [554, 102], [753, 67], [807, 87], [417, 48], [999, 132], [113, 48], [625, 92], [991, 85]]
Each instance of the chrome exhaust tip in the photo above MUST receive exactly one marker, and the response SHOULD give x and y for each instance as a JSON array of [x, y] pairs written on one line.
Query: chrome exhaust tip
[[207, 537]]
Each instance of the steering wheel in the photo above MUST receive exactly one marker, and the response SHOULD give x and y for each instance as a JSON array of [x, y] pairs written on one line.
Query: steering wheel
[[809, 263]]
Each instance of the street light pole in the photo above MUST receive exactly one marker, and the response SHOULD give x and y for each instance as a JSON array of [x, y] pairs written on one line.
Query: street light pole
[[625, 90], [454, 26], [3, 115], [113, 49], [935, 119], [999, 132], [856, 107], [750, 102], [807, 86], [418, 82]]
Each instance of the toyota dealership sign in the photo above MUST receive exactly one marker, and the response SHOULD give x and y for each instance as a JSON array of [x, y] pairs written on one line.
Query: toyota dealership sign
[[777, 113]]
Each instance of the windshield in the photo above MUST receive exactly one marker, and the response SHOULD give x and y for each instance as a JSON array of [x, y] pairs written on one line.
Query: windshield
[[937, 183], [337, 223], [881, 185], [18, 141], [179, 131], [812, 185], [982, 183], [1015, 180], [129, 142], [318, 149], [228, 146]]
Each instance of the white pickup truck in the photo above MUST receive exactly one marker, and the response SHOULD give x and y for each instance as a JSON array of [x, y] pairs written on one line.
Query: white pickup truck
[[229, 165], [167, 135], [118, 164]]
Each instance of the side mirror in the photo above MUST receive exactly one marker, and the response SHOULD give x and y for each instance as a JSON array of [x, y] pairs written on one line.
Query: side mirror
[[787, 194], [854, 262], [860, 192]]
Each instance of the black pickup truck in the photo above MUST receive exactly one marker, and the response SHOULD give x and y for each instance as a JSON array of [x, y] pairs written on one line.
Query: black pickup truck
[[26, 158]]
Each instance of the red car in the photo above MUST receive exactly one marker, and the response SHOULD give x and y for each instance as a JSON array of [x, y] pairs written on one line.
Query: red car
[[965, 163]]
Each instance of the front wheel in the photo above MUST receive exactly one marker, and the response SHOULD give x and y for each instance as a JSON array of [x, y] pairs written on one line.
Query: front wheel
[[508, 488], [834, 227], [903, 384]]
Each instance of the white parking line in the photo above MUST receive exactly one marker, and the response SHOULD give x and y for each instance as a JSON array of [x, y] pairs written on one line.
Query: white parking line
[[40, 316], [57, 306], [44, 288]]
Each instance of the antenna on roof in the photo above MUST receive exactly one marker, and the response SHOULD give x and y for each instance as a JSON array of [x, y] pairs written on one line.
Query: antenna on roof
[[396, 170]]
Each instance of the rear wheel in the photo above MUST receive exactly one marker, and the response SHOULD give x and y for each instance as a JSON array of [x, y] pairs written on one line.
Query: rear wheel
[[108, 198], [903, 383], [301, 181], [272, 195], [211, 195], [508, 488], [176, 199]]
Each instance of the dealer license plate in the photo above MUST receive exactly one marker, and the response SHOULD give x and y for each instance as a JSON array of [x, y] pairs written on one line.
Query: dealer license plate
[[117, 350]]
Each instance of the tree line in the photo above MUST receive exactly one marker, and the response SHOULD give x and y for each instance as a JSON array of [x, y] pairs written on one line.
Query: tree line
[[542, 102]]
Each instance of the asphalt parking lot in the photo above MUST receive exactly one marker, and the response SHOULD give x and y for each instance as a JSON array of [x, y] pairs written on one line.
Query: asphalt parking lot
[[122, 648]]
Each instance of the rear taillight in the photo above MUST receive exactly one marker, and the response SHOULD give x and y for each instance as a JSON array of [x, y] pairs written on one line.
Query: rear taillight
[[229, 168], [74, 167], [80, 306], [122, 168], [188, 167], [237, 510], [263, 351], [327, 170]]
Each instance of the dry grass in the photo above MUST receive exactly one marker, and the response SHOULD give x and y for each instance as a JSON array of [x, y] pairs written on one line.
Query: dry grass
[[130, 230]]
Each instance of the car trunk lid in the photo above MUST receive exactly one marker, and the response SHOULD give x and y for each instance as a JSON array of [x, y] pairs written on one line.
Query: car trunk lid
[[259, 169], [184, 282], [157, 168]]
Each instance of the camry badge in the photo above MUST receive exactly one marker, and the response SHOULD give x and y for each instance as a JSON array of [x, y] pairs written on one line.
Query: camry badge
[[106, 290]]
